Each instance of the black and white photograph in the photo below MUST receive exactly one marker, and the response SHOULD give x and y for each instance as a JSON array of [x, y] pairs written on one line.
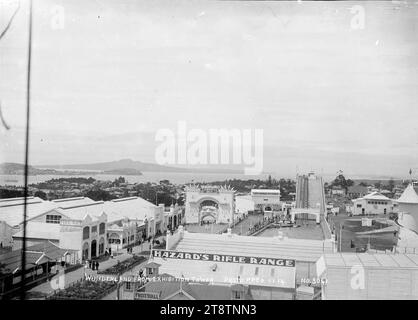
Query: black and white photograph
[[208, 150]]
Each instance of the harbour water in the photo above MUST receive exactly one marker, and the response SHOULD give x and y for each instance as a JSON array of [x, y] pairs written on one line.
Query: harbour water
[[173, 177]]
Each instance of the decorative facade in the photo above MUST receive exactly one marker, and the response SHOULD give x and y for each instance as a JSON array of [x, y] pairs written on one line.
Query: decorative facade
[[209, 204]]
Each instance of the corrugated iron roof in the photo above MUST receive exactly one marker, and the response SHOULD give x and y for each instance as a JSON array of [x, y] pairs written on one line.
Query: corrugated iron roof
[[369, 260]]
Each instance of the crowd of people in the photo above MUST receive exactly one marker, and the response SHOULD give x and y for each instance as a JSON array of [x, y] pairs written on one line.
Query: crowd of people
[[266, 221], [92, 264]]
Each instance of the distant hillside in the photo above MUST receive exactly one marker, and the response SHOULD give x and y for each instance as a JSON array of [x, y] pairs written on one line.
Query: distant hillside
[[18, 168], [137, 165], [10, 168]]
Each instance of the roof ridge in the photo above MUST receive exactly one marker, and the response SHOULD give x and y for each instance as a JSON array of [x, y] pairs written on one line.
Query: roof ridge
[[409, 195]]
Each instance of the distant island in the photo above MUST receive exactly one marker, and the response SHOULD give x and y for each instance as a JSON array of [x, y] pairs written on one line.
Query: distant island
[[10, 168], [126, 164], [119, 167]]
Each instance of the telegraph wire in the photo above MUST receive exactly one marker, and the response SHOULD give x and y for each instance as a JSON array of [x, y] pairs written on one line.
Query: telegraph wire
[[10, 21]]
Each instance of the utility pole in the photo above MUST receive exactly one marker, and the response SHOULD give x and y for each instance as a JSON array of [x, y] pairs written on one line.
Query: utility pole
[[118, 289], [25, 195]]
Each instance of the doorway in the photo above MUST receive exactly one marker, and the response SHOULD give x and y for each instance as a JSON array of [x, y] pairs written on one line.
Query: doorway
[[94, 249]]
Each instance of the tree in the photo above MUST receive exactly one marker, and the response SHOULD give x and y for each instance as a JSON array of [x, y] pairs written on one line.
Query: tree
[[118, 181], [350, 183], [341, 182], [391, 184], [6, 193], [269, 184], [41, 194], [99, 195]]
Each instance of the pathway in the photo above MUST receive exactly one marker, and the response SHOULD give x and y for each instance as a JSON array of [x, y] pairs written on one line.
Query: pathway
[[65, 280], [134, 270], [243, 226]]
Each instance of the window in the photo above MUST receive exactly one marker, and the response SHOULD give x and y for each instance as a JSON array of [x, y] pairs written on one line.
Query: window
[[256, 271], [272, 272], [237, 295], [52, 218], [93, 229], [128, 285], [359, 206], [102, 227], [241, 269], [86, 233]]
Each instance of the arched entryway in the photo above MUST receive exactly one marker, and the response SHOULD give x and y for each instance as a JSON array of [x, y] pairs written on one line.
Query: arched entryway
[[208, 211], [85, 251], [94, 249], [101, 246], [208, 219]]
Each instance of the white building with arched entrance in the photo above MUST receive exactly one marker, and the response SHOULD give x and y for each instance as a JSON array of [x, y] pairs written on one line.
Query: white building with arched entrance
[[209, 204], [87, 235]]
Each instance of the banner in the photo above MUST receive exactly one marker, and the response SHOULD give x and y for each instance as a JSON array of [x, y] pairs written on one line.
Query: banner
[[167, 254]]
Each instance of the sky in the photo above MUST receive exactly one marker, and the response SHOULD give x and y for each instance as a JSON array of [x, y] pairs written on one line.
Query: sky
[[329, 92]]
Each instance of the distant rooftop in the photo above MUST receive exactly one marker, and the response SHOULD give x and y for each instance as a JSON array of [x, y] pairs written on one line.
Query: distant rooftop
[[409, 196], [375, 196], [11, 210], [311, 231], [391, 261], [34, 255], [19, 201], [270, 247], [40, 230], [73, 202], [191, 290], [265, 191]]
